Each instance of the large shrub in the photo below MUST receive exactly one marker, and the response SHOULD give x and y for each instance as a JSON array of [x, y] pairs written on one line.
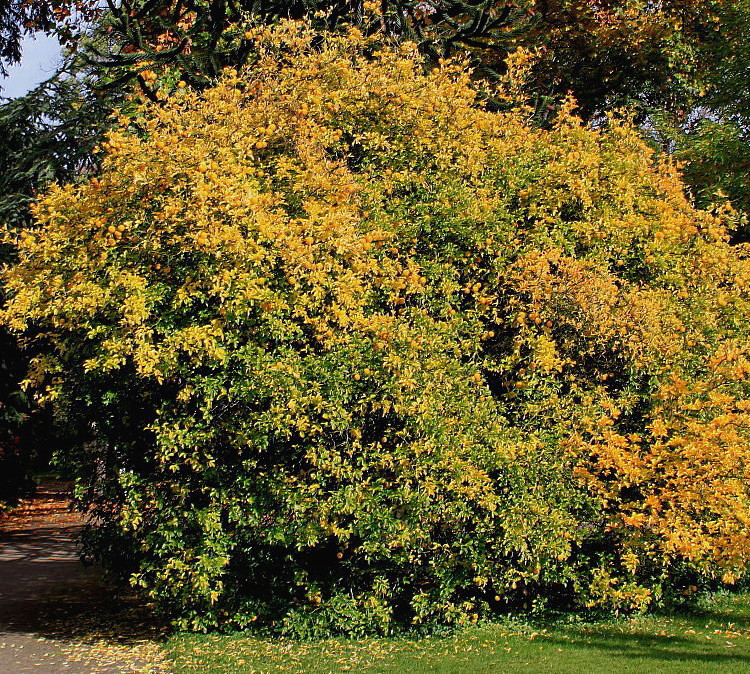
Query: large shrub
[[357, 353]]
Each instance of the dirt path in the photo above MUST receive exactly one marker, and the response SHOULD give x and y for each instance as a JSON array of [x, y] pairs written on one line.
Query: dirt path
[[55, 615]]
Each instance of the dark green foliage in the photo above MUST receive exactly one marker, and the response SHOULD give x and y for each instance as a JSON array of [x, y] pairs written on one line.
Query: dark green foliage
[[716, 152], [46, 136], [14, 461], [715, 142], [605, 53], [201, 37]]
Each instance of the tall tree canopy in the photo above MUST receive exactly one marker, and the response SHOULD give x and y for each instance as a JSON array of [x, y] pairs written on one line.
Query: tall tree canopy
[[712, 136], [604, 52], [18, 18], [48, 136]]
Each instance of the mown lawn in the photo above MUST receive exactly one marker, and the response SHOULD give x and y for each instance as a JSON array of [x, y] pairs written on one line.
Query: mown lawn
[[716, 639]]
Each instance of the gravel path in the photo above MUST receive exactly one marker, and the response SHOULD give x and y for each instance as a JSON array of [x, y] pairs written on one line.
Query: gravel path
[[56, 616]]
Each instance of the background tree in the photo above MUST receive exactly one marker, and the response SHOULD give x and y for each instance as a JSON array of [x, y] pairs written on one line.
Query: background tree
[[711, 131], [605, 53], [18, 18], [46, 136]]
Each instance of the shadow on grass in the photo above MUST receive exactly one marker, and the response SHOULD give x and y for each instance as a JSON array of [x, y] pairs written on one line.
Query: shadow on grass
[[648, 646]]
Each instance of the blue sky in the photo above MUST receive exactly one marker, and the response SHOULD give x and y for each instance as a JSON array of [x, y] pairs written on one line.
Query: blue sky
[[40, 55]]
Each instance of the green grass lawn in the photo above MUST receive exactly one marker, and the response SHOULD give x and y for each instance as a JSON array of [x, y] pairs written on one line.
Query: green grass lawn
[[716, 639]]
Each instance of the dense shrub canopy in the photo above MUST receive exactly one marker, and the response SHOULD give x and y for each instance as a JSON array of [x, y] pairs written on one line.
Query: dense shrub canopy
[[358, 353]]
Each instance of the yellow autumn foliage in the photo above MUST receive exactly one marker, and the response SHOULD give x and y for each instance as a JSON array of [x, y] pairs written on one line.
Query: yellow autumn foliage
[[358, 352]]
